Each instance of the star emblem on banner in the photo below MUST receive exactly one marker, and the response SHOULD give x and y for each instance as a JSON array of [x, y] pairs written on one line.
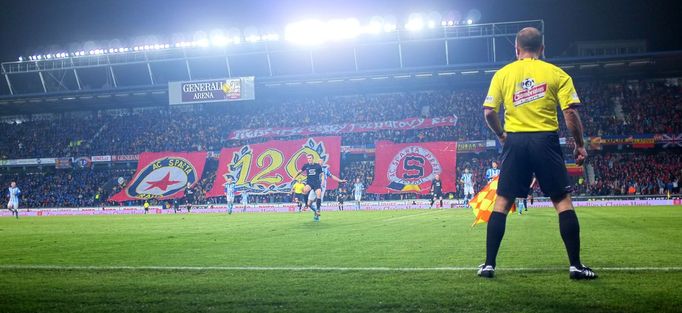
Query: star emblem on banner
[[163, 183]]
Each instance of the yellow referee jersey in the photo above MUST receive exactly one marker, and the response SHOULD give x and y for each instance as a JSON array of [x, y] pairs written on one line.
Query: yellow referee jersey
[[530, 90], [298, 187]]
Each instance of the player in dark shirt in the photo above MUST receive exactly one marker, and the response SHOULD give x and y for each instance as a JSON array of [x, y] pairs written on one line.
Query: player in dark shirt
[[436, 191], [341, 197], [189, 197], [313, 188]]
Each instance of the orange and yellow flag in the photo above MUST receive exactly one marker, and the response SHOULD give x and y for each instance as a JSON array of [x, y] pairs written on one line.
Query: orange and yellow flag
[[484, 201]]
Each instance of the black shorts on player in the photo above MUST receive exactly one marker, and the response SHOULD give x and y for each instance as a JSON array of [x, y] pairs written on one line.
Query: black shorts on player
[[438, 194], [300, 197], [315, 185], [534, 152]]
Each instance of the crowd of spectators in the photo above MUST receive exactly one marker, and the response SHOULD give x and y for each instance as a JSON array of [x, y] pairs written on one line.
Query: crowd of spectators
[[65, 188], [636, 174], [647, 107]]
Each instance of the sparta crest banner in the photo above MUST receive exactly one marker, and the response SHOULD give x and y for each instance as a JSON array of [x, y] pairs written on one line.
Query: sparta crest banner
[[163, 175], [410, 167], [270, 167]]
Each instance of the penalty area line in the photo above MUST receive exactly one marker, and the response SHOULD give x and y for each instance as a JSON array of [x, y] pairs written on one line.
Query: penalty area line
[[320, 268]]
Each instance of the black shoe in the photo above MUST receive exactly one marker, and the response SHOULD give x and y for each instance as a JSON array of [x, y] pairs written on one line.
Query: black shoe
[[582, 272], [487, 271]]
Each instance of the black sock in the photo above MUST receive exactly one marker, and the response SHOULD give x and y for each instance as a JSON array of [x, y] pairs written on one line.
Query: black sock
[[441, 203], [570, 233], [319, 203], [525, 204], [496, 226], [432, 201]]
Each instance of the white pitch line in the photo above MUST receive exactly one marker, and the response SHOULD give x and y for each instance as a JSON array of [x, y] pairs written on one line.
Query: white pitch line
[[413, 215], [322, 268]]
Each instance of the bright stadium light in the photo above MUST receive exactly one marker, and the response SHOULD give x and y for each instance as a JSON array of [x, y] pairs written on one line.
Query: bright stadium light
[[451, 23], [390, 23], [308, 32], [375, 26], [433, 18], [473, 15], [217, 38], [252, 38], [415, 22], [341, 29], [270, 37], [21, 59], [202, 43], [251, 34], [219, 41]]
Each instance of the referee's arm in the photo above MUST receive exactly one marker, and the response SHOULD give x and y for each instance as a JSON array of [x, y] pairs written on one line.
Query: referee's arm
[[569, 101], [575, 127], [491, 107]]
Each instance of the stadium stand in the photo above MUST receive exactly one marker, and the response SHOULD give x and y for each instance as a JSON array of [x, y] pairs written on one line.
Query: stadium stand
[[611, 108]]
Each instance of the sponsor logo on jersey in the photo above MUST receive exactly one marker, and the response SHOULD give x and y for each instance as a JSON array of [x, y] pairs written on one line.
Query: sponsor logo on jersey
[[530, 91]]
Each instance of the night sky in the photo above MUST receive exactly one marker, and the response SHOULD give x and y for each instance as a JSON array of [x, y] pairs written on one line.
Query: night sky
[[32, 26]]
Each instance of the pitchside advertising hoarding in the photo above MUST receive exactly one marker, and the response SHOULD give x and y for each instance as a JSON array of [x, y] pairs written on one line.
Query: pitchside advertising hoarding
[[212, 90]]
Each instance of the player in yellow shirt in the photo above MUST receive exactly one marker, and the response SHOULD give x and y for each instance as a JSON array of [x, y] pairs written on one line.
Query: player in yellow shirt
[[299, 196], [531, 90]]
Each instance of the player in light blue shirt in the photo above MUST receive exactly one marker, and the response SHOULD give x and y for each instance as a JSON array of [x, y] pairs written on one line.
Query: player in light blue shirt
[[493, 172], [245, 200], [468, 181], [358, 188], [230, 189], [13, 193]]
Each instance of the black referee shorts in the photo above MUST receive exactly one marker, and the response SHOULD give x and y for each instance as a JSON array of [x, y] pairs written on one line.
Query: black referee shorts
[[527, 153]]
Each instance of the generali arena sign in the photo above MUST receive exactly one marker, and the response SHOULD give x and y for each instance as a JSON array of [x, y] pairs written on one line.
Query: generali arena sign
[[214, 90]]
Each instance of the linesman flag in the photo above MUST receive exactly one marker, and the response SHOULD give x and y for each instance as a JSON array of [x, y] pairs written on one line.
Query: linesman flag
[[484, 201]]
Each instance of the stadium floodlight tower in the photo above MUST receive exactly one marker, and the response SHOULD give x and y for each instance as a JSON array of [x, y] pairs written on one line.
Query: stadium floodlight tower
[[351, 47]]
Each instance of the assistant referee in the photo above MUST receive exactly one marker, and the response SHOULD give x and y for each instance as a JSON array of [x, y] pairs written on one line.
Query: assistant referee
[[530, 90]]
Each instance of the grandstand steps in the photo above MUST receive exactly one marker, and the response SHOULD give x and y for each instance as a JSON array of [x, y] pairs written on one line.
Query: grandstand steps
[[618, 108], [589, 169]]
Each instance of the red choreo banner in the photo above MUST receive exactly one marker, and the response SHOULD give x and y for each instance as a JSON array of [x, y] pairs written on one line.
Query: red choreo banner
[[270, 167], [410, 167], [163, 175], [337, 129]]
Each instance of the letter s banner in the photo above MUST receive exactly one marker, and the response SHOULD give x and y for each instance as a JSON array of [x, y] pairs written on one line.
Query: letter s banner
[[410, 167]]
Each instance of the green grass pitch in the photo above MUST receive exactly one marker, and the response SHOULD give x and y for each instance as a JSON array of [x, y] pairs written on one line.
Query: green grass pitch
[[351, 261]]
